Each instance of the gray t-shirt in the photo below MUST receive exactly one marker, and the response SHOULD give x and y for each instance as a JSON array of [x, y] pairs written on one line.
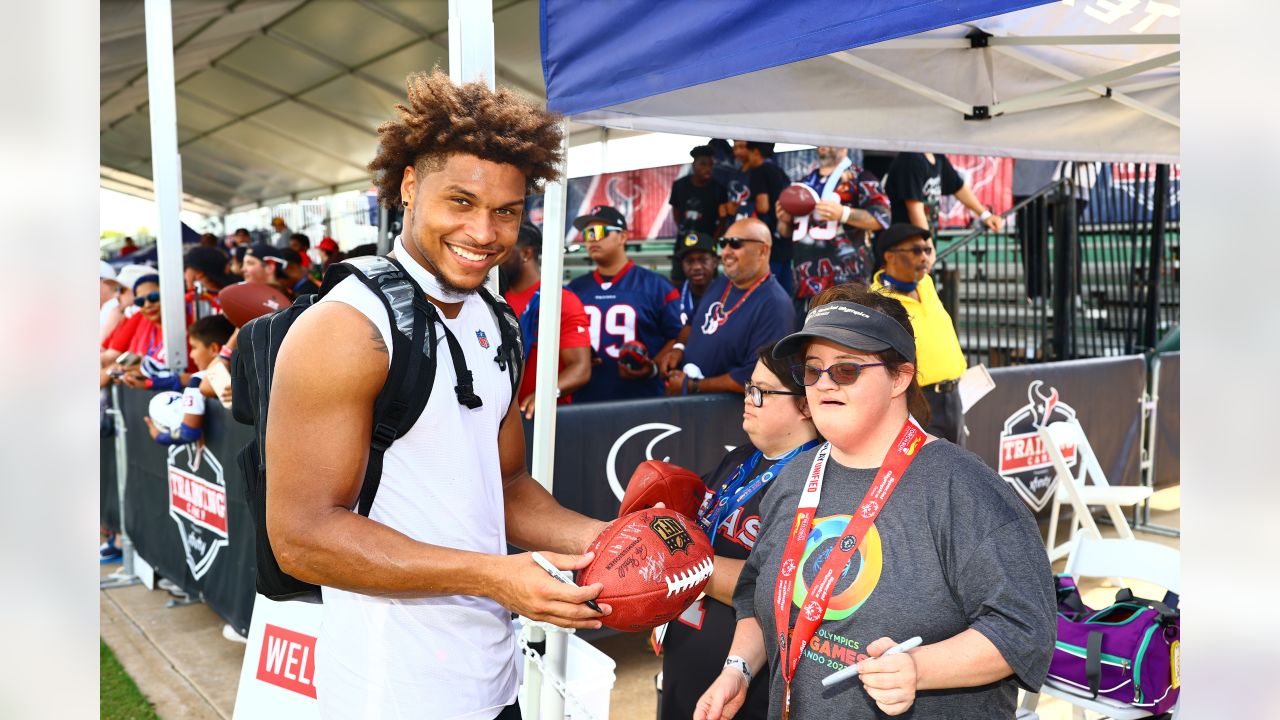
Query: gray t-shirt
[[954, 548]]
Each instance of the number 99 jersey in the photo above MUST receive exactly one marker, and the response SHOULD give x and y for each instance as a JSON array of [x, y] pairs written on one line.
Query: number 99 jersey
[[636, 304]]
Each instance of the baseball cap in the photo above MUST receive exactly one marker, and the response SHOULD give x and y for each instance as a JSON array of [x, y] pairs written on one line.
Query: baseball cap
[[529, 235], [129, 274], [851, 325], [702, 151], [693, 240], [105, 271], [263, 251], [894, 234], [328, 244], [602, 213]]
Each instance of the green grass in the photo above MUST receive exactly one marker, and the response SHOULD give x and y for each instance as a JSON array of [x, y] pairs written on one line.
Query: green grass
[[119, 697]]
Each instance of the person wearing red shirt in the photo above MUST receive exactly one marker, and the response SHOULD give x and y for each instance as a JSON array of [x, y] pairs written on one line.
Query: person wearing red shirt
[[523, 274], [141, 334]]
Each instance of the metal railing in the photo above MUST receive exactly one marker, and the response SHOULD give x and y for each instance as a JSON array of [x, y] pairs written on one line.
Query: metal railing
[[1087, 267]]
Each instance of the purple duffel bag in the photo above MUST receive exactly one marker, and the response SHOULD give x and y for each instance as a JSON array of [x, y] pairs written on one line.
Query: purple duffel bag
[[1126, 652]]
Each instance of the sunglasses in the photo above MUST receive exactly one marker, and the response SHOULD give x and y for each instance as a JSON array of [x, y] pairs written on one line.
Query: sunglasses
[[594, 233], [756, 394], [916, 250], [843, 373], [736, 242], [151, 297]]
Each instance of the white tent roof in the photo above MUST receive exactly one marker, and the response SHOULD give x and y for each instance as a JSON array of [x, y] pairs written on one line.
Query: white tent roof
[[1078, 79], [281, 97]]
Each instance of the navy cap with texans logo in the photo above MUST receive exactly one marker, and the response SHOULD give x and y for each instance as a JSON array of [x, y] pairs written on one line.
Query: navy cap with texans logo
[[854, 326], [602, 213]]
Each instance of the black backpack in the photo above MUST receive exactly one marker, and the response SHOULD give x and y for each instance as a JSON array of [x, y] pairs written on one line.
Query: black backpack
[[415, 325]]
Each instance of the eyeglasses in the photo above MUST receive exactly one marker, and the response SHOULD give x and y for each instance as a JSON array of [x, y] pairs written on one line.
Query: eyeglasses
[[151, 297], [594, 233], [736, 242], [916, 250], [843, 373], [756, 394]]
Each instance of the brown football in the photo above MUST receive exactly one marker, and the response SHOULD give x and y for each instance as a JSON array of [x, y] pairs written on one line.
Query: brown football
[[245, 301], [798, 199], [653, 564], [656, 482]]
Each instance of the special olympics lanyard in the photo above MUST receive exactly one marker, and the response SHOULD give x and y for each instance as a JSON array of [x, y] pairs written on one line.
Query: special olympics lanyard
[[791, 643], [733, 493]]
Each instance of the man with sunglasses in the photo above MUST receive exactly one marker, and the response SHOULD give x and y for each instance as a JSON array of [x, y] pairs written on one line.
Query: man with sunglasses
[[742, 311], [625, 304], [905, 254]]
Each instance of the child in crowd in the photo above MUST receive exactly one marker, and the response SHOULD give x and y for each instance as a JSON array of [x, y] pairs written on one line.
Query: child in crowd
[[207, 336]]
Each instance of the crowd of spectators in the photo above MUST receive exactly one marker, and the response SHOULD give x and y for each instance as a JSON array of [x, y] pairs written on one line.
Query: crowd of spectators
[[696, 330]]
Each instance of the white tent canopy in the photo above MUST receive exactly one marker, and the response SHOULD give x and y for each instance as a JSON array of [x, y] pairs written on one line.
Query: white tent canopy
[[1078, 79]]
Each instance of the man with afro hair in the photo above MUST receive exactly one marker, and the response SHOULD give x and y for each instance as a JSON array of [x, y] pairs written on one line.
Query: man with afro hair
[[418, 596]]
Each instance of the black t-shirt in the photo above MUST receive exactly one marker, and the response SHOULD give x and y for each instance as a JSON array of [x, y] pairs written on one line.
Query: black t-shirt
[[701, 205], [698, 641], [912, 177], [770, 179]]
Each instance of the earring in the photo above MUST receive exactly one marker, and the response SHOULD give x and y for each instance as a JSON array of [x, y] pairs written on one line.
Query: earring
[[404, 204]]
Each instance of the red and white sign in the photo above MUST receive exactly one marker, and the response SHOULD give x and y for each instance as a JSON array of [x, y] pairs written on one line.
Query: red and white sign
[[278, 675], [1024, 464], [288, 660], [198, 500], [1025, 451]]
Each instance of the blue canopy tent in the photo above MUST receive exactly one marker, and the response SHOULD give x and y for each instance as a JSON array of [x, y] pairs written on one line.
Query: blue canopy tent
[[1077, 79]]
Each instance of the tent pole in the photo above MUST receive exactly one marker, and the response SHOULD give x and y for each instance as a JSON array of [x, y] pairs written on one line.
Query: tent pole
[[1084, 83], [901, 81], [1099, 90], [167, 179]]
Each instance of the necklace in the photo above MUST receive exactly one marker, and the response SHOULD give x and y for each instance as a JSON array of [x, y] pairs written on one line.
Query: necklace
[[721, 316]]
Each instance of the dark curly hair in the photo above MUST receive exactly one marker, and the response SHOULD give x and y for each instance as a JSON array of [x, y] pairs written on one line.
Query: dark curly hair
[[442, 119]]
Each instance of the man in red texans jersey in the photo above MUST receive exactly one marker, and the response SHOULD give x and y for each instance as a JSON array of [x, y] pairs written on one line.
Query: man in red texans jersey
[[634, 313]]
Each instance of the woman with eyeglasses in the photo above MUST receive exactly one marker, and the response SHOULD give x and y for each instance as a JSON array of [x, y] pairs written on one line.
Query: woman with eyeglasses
[[775, 417], [880, 536]]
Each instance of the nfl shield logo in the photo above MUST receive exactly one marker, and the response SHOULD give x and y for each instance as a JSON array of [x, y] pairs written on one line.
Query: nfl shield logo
[[484, 341]]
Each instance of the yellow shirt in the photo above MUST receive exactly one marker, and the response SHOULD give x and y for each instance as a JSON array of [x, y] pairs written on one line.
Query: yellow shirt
[[938, 354]]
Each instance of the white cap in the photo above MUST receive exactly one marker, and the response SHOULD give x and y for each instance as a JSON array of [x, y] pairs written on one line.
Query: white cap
[[129, 274], [105, 271]]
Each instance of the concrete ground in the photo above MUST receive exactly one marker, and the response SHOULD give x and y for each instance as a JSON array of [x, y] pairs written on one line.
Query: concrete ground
[[184, 665]]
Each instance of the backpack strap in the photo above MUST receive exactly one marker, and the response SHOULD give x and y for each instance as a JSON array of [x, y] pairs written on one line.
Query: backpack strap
[[510, 355], [1069, 595], [412, 372], [1093, 662]]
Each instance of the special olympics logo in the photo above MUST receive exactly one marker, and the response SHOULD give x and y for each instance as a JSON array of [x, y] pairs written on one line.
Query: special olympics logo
[[788, 568], [869, 510], [813, 611], [847, 543]]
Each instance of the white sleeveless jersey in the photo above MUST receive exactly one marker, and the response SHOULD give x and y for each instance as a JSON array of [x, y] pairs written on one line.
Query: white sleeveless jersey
[[440, 657]]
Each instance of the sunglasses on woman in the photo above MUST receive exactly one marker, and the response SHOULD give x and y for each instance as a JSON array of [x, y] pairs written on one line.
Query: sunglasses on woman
[[151, 297], [594, 233], [736, 242], [756, 394], [842, 373]]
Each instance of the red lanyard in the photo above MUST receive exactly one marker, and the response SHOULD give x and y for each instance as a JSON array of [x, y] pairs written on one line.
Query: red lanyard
[[723, 316], [791, 644]]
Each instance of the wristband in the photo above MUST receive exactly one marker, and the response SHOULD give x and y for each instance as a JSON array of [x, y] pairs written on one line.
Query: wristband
[[844, 216], [225, 353], [740, 665], [985, 214], [693, 385]]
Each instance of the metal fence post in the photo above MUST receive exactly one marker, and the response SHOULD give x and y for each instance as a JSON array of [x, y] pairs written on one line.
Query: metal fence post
[[1155, 261], [1066, 243]]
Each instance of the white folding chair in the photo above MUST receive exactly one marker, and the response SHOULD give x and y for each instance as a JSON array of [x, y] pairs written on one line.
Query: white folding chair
[[1127, 558], [1088, 487]]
